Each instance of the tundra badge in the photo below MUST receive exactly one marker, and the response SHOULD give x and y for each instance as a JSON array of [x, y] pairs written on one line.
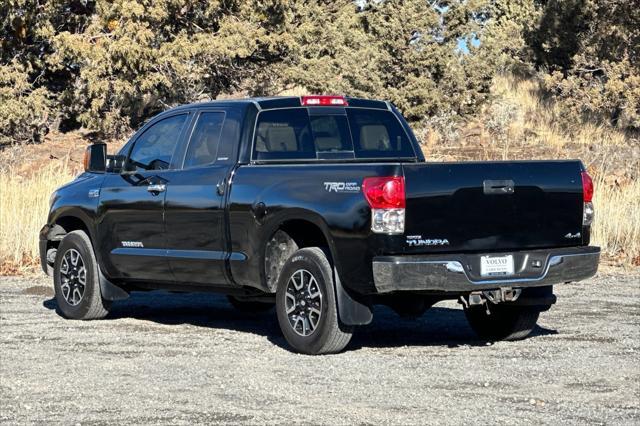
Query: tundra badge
[[137, 244], [417, 240]]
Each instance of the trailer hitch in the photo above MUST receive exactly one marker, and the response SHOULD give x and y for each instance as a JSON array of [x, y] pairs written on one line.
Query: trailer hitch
[[500, 295]]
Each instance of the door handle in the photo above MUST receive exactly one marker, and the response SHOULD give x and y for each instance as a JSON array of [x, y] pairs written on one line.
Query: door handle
[[157, 188], [220, 188]]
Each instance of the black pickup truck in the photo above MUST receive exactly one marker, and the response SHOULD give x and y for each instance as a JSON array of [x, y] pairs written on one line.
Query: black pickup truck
[[323, 206]]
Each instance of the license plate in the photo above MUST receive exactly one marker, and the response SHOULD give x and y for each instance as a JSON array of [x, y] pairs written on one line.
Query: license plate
[[491, 266]]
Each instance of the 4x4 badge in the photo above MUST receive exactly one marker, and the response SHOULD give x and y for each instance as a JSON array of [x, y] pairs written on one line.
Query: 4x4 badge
[[570, 235]]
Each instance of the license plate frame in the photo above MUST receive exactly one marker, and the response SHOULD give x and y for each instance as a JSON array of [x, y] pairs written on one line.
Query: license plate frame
[[496, 266]]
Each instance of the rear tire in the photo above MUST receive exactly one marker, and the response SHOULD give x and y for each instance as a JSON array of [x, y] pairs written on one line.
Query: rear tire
[[504, 322], [249, 306], [76, 280], [306, 304]]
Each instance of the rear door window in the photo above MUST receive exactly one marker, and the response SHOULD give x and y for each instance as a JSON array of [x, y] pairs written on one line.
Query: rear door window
[[203, 145], [378, 134]]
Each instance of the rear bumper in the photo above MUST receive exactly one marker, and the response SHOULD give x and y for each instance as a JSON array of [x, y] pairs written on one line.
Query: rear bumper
[[459, 272]]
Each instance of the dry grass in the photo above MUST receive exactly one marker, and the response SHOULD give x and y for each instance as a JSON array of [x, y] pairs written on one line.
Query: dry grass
[[617, 223], [24, 205], [520, 124], [539, 121], [609, 154]]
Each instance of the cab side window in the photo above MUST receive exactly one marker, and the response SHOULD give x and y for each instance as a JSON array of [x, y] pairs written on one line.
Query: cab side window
[[283, 134], [203, 146], [154, 148]]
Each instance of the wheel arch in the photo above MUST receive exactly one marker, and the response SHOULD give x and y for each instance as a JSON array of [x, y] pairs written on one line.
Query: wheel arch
[[302, 229], [69, 220], [69, 223], [65, 222], [73, 220], [310, 231]]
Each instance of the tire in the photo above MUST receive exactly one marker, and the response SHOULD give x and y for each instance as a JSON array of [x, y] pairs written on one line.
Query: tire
[[249, 306], [306, 289], [75, 299], [504, 322]]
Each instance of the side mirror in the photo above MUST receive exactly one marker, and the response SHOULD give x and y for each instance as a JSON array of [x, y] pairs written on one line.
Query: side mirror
[[95, 158]]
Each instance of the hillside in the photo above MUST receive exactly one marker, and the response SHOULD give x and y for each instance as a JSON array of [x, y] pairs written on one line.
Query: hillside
[[518, 123]]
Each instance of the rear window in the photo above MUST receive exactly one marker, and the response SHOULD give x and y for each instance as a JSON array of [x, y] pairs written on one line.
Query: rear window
[[331, 133], [291, 133], [378, 134], [283, 134]]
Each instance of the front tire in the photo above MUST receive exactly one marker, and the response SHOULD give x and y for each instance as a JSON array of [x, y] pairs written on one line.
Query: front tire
[[503, 322], [76, 279], [306, 304]]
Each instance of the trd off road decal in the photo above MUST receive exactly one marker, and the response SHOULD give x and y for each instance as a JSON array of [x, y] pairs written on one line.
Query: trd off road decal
[[341, 187]]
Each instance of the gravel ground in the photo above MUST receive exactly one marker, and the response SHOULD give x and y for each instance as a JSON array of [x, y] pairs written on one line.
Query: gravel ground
[[184, 359]]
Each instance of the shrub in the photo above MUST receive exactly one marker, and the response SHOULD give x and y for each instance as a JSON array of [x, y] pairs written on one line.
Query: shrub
[[589, 51], [24, 111]]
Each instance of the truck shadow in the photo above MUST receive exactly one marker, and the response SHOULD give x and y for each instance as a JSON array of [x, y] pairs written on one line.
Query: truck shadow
[[439, 326]]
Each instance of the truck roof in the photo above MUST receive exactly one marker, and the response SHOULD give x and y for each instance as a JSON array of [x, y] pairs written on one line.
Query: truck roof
[[274, 102]]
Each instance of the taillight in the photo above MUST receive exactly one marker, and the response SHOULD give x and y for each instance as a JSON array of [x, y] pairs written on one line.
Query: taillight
[[386, 197], [587, 187], [324, 100], [384, 192], [587, 196]]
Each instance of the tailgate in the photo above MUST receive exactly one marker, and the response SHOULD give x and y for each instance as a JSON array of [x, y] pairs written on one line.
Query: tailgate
[[493, 206]]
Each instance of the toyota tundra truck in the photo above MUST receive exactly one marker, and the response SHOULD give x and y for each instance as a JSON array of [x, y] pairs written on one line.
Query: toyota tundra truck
[[323, 206]]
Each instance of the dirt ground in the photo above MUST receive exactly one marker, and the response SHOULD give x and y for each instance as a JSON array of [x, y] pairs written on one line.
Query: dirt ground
[[166, 358]]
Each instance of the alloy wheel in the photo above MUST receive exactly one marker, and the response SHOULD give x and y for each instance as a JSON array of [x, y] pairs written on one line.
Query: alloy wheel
[[303, 302], [73, 277]]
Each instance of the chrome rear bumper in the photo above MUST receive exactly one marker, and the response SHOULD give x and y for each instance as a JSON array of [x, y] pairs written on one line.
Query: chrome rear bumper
[[459, 272]]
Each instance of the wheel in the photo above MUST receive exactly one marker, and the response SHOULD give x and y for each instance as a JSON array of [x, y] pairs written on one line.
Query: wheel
[[249, 306], [306, 304], [76, 280], [504, 322]]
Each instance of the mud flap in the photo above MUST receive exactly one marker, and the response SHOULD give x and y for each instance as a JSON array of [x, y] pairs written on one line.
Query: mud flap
[[350, 310], [110, 291]]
